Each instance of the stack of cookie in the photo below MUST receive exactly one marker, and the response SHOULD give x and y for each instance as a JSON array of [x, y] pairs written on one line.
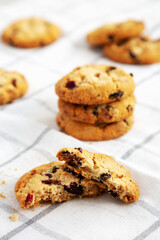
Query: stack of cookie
[[96, 102], [124, 43], [58, 182]]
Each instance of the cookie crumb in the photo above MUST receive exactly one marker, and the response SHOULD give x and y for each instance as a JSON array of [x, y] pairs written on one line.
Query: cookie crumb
[[14, 217], [90, 142], [2, 196], [3, 182], [15, 169]]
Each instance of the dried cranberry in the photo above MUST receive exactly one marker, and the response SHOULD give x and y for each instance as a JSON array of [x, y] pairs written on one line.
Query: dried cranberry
[[74, 188], [115, 95], [71, 84], [29, 199], [54, 169], [48, 175], [97, 74], [105, 176], [48, 181], [14, 82]]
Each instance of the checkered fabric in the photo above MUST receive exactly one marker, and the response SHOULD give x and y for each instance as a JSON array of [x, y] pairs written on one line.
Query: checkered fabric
[[29, 135]]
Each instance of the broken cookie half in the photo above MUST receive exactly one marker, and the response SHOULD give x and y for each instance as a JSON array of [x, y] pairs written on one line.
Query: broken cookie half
[[104, 170], [53, 182]]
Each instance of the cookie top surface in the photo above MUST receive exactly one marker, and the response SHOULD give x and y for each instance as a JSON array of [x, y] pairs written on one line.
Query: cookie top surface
[[53, 182], [12, 85], [95, 84], [140, 50], [103, 113], [113, 32], [30, 33], [94, 132], [102, 169]]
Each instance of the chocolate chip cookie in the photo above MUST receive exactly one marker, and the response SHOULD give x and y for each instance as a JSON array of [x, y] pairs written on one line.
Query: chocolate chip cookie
[[95, 84], [31, 33], [140, 50], [94, 132], [114, 32], [102, 169], [53, 182], [104, 113], [12, 86]]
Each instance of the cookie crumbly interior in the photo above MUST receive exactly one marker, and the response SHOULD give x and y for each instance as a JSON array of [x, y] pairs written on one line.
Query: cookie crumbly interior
[[103, 170]]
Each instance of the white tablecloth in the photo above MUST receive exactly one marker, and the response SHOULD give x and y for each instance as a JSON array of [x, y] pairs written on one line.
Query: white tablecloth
[[29, 135]]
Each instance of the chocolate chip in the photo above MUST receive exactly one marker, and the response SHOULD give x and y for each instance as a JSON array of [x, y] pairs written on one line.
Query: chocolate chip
[[129, 108], [48, 181], [14, 82], [72, 159], [67, 169], [114, 194], [72, 163], [71, 84], [85, 107], [54, 169], [121, 42], [105, 176], [143, 39], [132, 55], [111, 68], [74, 188], [131, 74], [79, 149], [48, 175], [106, 113], [111, 37], [126, 122], [29, 199], [95, 113], [116, 95]]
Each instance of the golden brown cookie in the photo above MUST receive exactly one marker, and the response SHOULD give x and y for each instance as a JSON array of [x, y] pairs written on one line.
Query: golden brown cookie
[[94, 132], [12, 85], [95, 84], [102, 169], [104, 113], [114, 32], [53, 182], [31, 33], [140, 50]]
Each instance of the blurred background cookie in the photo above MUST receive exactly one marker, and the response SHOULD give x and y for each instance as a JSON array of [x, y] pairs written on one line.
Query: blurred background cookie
[[110, 33], [12, 86], [31, 33]]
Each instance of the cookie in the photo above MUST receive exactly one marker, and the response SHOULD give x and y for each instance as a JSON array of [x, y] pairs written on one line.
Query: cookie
[[94, 132], [114, 32], [102, 169], [53, 182], [95, 84], [140, 50], [12, 86], [104, 113], [31, 33]]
